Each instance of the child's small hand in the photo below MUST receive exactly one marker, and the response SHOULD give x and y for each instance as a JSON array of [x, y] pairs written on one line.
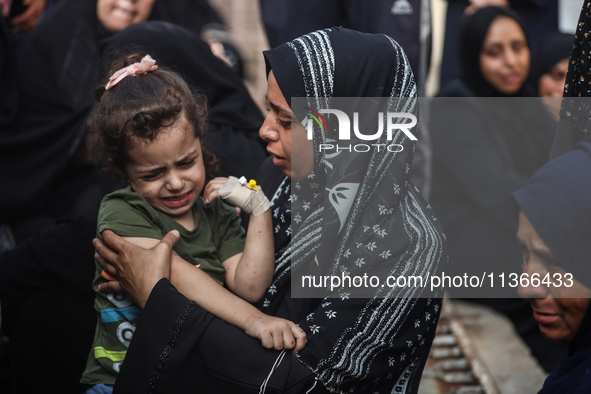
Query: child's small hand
[[276, 333], [249, 197], [212, 189]]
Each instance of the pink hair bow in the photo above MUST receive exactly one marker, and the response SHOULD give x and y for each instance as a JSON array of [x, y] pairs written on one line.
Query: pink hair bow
[[147, 64]]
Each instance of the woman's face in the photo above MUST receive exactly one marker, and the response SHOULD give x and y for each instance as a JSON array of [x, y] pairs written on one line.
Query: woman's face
[[505, 57], [551, 84], [286, 139], [116, 15], [558, 305]]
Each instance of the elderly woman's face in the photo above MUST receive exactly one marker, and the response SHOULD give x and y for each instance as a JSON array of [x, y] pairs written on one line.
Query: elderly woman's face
[[557, 313], [286, 139], [116, 15]]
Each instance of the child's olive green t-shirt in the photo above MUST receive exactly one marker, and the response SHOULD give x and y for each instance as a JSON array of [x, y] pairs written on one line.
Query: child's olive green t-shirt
[[217, 236]]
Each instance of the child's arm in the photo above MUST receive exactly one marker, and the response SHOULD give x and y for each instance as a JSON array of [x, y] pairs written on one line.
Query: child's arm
[[249, 274], [273, 332], [199, 287]]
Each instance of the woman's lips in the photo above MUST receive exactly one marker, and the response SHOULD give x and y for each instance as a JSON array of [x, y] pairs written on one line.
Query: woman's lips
[[124, 13], [278, 160], [545, 318], [177, 201], [511, 78]]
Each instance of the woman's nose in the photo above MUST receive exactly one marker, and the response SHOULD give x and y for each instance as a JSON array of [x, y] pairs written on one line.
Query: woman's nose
[[267, 132], [510, 57]]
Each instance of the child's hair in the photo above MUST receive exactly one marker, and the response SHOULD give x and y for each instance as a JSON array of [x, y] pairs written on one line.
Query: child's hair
[[143, 106]]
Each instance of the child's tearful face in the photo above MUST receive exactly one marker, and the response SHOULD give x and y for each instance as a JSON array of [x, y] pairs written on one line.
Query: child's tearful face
[[168, 171]]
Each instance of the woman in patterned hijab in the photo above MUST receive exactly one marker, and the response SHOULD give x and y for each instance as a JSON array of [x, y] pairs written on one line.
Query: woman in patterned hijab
[[358, 213], [353, 214]]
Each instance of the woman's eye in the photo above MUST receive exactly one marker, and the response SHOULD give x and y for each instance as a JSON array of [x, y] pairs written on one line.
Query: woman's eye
[[493, 52], [518, 46], [556, 74], [284, 124]]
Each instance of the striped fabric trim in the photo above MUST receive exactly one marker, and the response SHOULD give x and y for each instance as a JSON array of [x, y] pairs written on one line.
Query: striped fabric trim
[[115, 356]]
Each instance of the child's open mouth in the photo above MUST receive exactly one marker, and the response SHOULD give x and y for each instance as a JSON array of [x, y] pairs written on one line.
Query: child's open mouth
[[178, 200]]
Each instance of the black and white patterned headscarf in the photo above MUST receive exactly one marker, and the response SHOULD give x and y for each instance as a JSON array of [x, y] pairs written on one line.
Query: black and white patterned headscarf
[[359, 212]]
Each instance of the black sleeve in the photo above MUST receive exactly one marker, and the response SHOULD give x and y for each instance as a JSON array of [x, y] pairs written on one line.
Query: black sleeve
[[178, 348], [156, 336]]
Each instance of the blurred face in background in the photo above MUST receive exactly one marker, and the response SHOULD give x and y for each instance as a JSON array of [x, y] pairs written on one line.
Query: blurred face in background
[[505, 56], [116, 15], [551, 84], [551, 87]]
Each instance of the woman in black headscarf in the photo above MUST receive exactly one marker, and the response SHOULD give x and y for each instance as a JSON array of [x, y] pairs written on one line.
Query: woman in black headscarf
[[484, 149], [551, 63], [549, 70], [555, 228], [378, 343], [476, 54]]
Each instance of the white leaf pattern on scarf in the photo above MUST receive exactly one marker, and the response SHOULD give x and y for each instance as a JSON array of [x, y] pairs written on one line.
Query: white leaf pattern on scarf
[[361, 345]]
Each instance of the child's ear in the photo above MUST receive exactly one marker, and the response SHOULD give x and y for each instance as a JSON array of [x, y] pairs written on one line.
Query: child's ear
[[116, 169]]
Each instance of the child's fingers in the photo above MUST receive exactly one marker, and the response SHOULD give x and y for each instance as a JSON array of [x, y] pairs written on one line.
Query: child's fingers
[[279, 339], [211, 191], [216, 183], [208, 192], [267, 340], [300, 337], [288, 339], [211, 194], [219, 179]]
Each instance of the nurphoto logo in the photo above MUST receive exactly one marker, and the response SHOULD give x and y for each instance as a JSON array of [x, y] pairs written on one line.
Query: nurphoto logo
[[348, 130]]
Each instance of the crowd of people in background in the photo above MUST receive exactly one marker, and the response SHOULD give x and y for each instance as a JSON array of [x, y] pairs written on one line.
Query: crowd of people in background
[[505, 70]]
